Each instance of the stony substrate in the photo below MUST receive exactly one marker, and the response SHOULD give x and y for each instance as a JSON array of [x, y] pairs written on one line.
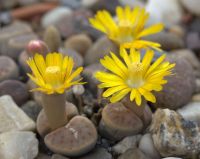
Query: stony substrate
[[95, 128]]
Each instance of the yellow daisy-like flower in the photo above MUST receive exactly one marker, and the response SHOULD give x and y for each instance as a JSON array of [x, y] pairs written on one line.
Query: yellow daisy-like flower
[[135, 76], [128, 29], [53, 74]]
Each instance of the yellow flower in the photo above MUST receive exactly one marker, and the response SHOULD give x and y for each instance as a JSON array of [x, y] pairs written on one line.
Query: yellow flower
[[53, 74], [135, 76], [128, 29]]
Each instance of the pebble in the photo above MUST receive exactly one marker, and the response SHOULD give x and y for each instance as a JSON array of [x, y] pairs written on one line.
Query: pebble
[[74, 139], [18, 145], [168, 40], [8, 68], [20, 94], [191, 112], [23, 57], [125, 144], [12, 30], [88, 74], [104, 5], [27, 2], [78, 59], [15, 45], [146, 145], [118, 122], [192, 6], [12, 117], [43, 156], [32, 109], [53, 16], [100, 48], [8, 4], [57, 156], [177, 92], [196, 98], [80, 43], [133, 153], [174, 136], [197, 83], [162, 11], [77, 23], [193, 41], [42, 125], [97, 153], [132, 3], [172, 158], [189, 56]]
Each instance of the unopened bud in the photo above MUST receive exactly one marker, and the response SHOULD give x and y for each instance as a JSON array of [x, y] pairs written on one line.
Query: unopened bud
[[37, 46]]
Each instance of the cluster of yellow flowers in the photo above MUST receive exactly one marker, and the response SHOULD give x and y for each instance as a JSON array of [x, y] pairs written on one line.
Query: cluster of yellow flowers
[[128, 74]]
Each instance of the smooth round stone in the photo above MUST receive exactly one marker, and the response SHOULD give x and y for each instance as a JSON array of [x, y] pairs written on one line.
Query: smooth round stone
[[18, 145], [192, 6], [132, 3], [27, 2], [8, 4], [168, 41], [56, 156], [42, 124], [80, 43], [53, 16], [193, 41], [191, 112], [23, 57], [8, 68], [146, 145], [133, 153], [77, 23], [15, 29], [100, 48], [88, 74], [189, 56], [17, 44], [16, 89], [180, 86], [78, 137], [118, 122], [162, 11], [98, 153], [78, 59], [104, 5], [32, 109], [127, 143]]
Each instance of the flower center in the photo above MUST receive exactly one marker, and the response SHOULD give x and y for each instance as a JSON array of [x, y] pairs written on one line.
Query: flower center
[[125, 23], [52, 69], [135, 75], [53, 76]]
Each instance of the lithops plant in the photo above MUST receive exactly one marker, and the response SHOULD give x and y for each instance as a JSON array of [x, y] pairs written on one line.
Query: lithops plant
[[118, 122], [42, 124], [78, 137], [52, 38], [53, 76]]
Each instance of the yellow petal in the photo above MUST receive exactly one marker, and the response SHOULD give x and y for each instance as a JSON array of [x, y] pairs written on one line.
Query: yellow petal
[[118, 96], [151, 30]]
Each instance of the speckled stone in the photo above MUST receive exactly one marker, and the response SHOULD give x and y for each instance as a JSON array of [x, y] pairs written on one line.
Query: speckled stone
[[173, 135]]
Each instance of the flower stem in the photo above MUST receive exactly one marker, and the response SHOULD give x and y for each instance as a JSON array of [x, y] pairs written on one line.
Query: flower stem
[[54, 107]]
